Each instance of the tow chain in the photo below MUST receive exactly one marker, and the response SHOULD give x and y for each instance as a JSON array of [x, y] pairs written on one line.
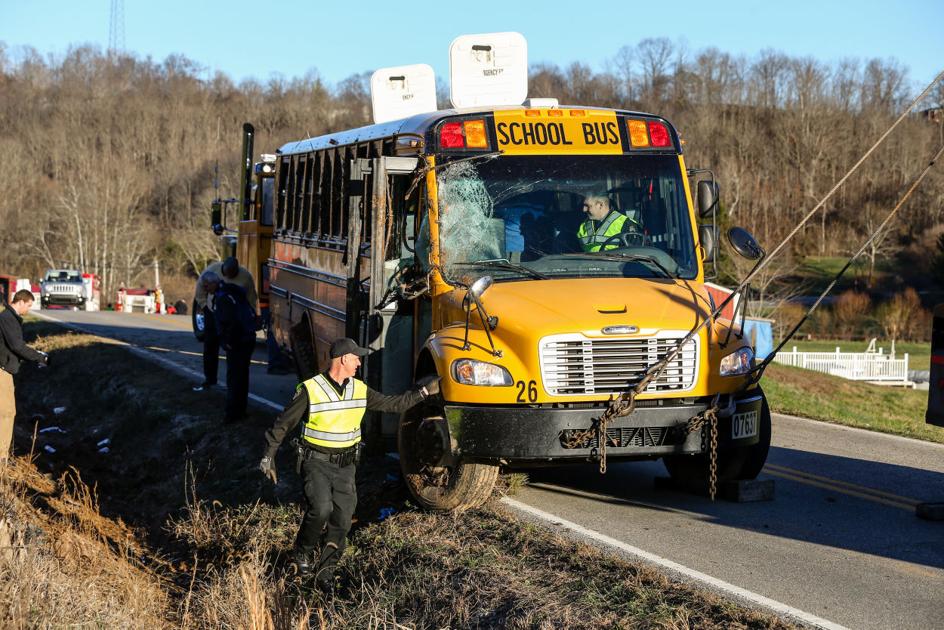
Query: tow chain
[[710, 416], [623, 405]]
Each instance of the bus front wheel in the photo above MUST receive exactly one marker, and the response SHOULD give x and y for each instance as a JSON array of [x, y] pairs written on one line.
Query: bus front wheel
[[742, 463], [434, 485]]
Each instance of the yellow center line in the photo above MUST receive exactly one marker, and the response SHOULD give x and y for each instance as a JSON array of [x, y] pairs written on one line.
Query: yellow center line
[[903, 505], [845, 484]]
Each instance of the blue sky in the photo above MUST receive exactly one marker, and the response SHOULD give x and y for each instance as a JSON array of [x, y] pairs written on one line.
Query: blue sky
[[258, 39]]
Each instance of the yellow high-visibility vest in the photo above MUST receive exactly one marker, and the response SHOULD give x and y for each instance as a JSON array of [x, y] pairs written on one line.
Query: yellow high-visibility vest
[[334, 421], [592, 239]]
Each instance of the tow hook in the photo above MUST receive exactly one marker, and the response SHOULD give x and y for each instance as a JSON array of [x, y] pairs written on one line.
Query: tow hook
[[728, 410]]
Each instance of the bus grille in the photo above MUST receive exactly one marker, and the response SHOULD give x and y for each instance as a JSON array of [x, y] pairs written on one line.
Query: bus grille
[[576, 365], [625, 437]]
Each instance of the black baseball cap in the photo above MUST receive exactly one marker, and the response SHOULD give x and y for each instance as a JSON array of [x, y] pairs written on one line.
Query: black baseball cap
[[230, 267], [346, 345]]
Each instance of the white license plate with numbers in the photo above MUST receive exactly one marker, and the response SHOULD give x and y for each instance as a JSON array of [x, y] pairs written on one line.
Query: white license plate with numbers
[[744, 425]]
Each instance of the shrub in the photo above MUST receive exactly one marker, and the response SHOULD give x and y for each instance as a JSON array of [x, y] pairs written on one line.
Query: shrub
[[850, 312]]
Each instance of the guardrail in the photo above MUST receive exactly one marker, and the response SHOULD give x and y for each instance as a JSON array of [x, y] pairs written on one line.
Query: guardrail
[[871, 367]]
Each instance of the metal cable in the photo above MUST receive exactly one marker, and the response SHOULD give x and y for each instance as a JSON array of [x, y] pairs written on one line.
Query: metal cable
[[759, 369], [657, 368], [625, 403]]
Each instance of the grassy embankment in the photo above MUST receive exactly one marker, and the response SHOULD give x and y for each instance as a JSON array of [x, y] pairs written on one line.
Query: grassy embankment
[[182, 532], [833, 399], [823, 397]]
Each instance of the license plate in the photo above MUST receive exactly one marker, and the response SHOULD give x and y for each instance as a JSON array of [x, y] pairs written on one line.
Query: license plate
[[744, 425]]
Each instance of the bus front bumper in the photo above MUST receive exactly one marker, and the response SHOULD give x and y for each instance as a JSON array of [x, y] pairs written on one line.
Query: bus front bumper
[[538, 434]]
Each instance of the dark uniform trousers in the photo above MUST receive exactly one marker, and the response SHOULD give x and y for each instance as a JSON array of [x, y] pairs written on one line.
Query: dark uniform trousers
[[211, 347], [331, 495], [238, 358]]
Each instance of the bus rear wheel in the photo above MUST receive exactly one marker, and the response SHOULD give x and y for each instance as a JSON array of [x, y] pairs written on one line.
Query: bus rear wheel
[[742, 463], [421, 440], [303, 350]]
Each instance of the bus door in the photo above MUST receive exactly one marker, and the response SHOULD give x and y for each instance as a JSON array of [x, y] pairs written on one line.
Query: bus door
[[381, 228]]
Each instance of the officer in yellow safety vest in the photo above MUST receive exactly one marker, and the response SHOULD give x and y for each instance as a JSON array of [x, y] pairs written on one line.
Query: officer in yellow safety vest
[[603, 225], [330, 407]]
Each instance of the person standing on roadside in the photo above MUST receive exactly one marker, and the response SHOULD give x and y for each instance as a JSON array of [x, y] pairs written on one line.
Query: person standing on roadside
[[236, 325], [13, 351], [330, 407], [230, 272]]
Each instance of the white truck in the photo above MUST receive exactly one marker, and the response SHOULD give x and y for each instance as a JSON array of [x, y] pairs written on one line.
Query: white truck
[[66, 287]]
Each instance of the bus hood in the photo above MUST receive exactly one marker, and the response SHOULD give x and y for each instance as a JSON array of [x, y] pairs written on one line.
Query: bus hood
[[588, 305]]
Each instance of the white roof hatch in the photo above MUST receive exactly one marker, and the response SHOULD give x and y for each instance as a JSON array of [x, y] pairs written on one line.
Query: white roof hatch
[[489, 69], [402, 91]]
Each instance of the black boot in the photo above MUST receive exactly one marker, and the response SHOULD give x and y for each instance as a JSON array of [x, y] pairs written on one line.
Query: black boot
[[327, 564], [301, 561]]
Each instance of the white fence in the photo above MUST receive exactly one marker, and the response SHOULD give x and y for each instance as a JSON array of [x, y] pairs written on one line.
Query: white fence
[[872, 367]]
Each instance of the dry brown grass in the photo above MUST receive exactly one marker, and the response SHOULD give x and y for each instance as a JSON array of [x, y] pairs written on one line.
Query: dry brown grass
[[62, 563]]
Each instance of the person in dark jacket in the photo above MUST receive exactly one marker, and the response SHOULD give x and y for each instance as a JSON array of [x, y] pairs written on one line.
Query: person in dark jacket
[[236, 327], [230, 272], [330, 407], [13, 351]]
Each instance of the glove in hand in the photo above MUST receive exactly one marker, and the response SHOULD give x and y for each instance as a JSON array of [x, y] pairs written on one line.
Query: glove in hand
[[430, 383], [267, 466]]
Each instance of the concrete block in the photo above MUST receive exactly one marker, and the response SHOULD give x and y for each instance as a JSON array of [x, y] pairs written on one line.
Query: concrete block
[[748, 490], [740, 491]]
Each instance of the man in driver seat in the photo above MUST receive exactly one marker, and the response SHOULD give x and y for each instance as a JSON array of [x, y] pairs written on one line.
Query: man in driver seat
[[604, 224]]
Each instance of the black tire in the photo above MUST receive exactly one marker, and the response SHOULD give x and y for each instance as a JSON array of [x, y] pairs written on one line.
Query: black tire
[[757, 454], [303, 350], [458, 487], [198, 331], [741, 463]]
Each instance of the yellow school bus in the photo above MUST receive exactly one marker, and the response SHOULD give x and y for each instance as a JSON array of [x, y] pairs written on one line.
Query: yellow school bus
[[536, 258]]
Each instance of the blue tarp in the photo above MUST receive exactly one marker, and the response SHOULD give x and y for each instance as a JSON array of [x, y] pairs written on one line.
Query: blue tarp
[[761, 334]]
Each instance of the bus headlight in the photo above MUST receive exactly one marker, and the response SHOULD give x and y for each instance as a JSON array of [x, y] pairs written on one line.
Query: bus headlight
[[471, 372], [738, 362]]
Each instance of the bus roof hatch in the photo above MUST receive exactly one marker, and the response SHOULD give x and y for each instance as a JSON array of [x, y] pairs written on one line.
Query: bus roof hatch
[[487, 70], [402, 91]]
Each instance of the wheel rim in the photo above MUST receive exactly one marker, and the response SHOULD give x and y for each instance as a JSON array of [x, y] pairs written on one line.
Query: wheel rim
[[421, 445]]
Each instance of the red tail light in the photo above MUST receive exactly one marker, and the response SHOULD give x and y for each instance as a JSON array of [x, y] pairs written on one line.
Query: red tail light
[[451, 136], [659, 135]]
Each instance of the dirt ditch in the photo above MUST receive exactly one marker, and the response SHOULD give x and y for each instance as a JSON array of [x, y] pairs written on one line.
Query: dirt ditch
[[139, 508]]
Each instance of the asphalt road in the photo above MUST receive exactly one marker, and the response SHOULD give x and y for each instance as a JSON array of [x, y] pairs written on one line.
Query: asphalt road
[[840, 541]]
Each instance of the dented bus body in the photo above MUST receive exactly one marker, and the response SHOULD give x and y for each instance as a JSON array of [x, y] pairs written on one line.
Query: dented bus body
[[464, 243]]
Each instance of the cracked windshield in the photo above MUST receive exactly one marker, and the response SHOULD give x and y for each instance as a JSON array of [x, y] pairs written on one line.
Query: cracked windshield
[[518, 217]]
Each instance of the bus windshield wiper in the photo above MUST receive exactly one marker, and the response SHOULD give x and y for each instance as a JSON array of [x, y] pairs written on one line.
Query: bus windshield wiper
[[501, 263], [651, 261]]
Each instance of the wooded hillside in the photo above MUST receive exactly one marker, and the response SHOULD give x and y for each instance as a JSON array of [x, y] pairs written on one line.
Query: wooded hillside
[[110, 160]]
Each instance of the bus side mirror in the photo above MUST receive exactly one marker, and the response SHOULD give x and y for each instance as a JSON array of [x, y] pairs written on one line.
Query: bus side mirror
[[744, 244], [707, 197], [708, 241]]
